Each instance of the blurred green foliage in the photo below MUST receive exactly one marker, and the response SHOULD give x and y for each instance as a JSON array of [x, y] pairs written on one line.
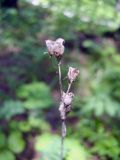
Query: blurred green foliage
[[35, 95], [5, 154], [104, 98], [11, 145], [100, 141], [28, 75], [45, 143], [16, 142], [14, 108]]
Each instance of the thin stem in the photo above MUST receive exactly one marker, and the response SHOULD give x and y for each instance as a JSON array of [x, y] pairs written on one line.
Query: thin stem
[[63, 122], [69, 86], [62, 139], [63, 130], [63, 127], [62, 148], [60, 77]]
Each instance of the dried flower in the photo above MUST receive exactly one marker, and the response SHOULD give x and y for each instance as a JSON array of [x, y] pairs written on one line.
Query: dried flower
[[72, 74], [62, 111], [67, 98], [65, 105], [55, 48], [50, 44]]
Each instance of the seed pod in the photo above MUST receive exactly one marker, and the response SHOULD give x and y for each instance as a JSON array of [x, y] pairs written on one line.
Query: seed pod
[[62, 111], [50, 45], [72, 74], [55, 48], [67, 98]]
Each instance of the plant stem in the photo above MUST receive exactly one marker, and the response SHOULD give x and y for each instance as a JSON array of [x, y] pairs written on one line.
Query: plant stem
[[69, 86], [63, 122], [60, 78], [62, 140], [63, 125]]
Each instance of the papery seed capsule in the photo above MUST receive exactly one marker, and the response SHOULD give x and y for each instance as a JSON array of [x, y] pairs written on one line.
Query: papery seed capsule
[[72, 74], [55, 48]]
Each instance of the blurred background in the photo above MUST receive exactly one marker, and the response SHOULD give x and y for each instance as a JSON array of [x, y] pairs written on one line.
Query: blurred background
[[29, 92]]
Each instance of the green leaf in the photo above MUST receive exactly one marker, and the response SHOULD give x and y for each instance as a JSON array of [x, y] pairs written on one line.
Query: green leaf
[[6, 155], [2, 140], [11, 108], [36, 95], [72, 149], [16, 142]]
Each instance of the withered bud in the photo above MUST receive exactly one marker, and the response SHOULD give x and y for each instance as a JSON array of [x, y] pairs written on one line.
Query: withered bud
[[50, 44], [55, 48], [65, 105], [67, 98], [72, 74], [62, 110]]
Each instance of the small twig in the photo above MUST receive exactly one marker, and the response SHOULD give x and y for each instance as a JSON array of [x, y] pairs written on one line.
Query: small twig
[[60, 78], [69, 86], [63, 122], [63, 133], [63, 128], [62, 148]]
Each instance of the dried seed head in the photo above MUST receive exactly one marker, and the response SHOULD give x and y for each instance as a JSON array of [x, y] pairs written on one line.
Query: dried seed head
[[50, 45], [72, 74], [60, 40], [65, 105], [55, 48], [62, 111], [67, 98]]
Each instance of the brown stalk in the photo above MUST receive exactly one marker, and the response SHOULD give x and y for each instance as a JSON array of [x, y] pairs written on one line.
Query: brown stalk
[[63, 125]]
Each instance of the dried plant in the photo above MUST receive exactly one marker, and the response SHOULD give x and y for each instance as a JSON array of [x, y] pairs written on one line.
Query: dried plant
[[56, 49]]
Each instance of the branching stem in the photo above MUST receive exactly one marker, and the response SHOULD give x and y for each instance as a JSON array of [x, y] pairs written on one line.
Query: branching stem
[[69, 86], [63, 125], [56, 49], [63, 122]]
